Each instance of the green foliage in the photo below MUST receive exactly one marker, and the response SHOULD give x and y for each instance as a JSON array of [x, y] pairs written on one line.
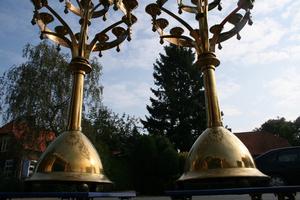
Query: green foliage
[[182, 156], [40, 90], [11, 184], [283, 128], [113, 130], [154, 163], [297, 123], [41, 87], [113, 137], [120, 173], [178, 110]]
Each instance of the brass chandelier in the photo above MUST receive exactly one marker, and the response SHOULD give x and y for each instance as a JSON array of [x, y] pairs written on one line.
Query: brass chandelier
[[218, 158], [72, 157]]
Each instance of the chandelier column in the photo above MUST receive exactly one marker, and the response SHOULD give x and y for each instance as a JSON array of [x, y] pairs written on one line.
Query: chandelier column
[[217, 158], [71, 157]]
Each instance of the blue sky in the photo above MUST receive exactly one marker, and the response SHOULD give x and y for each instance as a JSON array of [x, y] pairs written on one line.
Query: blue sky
[[258, 78]]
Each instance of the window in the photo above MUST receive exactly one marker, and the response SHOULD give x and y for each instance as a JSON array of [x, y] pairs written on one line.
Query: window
[[288, 156], [8, 167], [28, 168], [271, 158], [31, 167], [4, 143]]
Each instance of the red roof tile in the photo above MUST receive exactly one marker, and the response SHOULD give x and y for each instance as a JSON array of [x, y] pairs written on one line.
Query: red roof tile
[[7, 128], [261, 142], [29, 139]]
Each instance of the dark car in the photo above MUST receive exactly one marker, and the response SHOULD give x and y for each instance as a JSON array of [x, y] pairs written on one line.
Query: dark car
[[282, 165]]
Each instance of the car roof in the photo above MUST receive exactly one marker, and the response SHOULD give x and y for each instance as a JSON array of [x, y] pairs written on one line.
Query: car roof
[[277, 150]]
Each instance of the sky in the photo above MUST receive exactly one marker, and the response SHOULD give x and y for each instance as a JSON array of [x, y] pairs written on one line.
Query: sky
[[258, 78]]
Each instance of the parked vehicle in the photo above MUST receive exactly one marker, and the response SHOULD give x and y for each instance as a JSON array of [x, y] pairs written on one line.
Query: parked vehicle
[[282, 165]]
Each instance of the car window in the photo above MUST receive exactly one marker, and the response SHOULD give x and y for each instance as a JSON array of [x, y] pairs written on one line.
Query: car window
[[270, 158], [288, 156]]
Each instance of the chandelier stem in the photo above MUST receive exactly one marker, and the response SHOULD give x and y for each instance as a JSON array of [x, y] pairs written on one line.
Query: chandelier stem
[[75, 109], [211, 97], [208, 63]]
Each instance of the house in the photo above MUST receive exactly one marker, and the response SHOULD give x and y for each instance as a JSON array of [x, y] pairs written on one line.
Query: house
[[20, 147], [259, 142]]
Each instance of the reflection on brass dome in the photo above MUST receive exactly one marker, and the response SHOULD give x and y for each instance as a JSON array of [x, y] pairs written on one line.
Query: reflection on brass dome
[[71, 157], [219, 154]]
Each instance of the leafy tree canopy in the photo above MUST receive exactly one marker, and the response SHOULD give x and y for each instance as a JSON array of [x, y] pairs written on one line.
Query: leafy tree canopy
[[155, 164], [40, 90], [283, 128], [41, 87]]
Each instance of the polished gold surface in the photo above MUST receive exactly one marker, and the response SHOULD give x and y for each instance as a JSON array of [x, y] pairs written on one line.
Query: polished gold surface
[[217, 157], [198, 38], [75, 109], [86, 10], [207, 62], [219, 153], [71, 157]]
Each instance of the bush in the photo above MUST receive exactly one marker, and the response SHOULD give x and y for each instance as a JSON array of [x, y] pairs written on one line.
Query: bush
[[11, 184], [155, 164]]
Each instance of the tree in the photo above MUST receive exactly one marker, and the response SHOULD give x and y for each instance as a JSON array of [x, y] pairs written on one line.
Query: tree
[[114, 138], [114, 130], [297, 135], [39, 90], [155, 164], [283, 128], [178, 109], [41, 87], [297, 123]]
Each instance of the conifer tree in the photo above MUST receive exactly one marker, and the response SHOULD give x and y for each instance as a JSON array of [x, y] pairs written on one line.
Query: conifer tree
[[178, 109]]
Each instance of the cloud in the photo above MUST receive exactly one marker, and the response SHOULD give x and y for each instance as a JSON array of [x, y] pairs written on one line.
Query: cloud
[[273, 37], [128, 97], [265, 35], [265, 7], [227, 88], [291, 12], [294, 37], [230, 111], [140, 52], [285, 92]]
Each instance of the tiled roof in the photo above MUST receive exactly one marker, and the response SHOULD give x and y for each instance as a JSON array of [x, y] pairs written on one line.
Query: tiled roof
[[29, 138], [261, 142], [7, 128]]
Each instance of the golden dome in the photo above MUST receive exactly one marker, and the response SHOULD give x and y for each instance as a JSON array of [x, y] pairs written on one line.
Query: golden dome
[[71, 157], [218, 155]]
